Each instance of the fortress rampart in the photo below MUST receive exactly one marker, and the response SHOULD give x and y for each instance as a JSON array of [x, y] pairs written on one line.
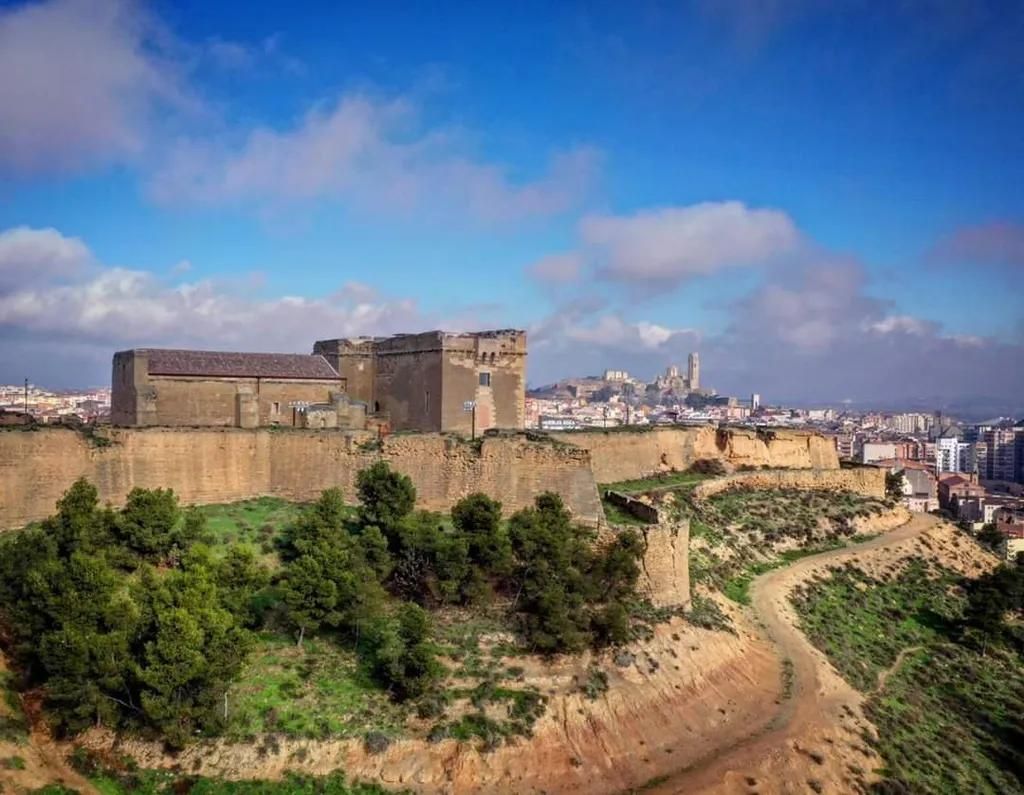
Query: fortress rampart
[[624, 455], [869, 481], [205, 465]]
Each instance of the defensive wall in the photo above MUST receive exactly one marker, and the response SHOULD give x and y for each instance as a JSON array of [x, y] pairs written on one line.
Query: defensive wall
[[626, 455], [869, 481], [207, 465]]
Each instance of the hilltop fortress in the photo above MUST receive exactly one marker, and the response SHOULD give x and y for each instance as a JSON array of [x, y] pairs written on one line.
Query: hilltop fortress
[[220, 427], [433, 381]]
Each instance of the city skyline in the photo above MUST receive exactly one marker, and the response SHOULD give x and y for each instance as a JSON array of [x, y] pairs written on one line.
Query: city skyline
[[627, 186]]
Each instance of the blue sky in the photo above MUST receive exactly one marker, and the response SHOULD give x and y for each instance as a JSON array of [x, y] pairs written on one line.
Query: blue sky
[[823, 198]]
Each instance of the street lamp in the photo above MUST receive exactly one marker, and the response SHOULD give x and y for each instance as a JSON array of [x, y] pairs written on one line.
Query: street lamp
[[470, 406]]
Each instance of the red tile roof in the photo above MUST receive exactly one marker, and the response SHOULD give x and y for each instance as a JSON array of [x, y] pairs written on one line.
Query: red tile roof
[[239, 365]]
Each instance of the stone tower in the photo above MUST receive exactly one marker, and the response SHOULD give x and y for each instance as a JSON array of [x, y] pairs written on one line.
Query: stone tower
[[693, 370]]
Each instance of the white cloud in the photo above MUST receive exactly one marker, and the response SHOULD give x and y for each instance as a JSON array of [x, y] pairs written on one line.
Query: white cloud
[[675, 243], [29, 256], [103, 309], [374, 153], [905, 324], [557, 268], [78, 80]]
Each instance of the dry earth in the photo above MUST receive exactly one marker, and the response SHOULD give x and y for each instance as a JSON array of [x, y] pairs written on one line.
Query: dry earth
[[816, 742], [43, 759]]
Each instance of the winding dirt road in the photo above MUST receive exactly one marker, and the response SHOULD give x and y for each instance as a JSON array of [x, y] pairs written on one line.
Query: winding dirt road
[[814, 741]]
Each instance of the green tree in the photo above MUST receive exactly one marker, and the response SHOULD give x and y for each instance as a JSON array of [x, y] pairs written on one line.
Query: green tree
[[894, 485], [79, 522], [400, 653], [240, 577], [331, 577], [567, 592], [387, 497], [990, 536], [192, 647], [310, 596], [148, 524], [478, 517]]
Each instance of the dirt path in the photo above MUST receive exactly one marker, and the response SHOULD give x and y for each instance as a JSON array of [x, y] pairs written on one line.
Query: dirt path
[[42, 761], [814, 742], [883, 677]]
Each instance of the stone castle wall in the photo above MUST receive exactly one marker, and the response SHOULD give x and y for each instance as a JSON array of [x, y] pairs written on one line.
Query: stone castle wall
[[206, 465], [621, 455], [222, 465], [869, 481], [665, 564]]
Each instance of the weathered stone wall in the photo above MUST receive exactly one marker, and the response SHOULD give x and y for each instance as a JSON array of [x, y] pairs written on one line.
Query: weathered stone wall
[[624, 455], [665, 565], [638, 508], [221, 465], [869, 481]]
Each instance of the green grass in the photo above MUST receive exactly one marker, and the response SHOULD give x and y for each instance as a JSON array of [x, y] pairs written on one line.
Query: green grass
[[737, 535], [317, 691], [13, 725], [862, 623], [948, 716], [737, 587], [950, 720], [665, 482], [255, 523], [617, 516]]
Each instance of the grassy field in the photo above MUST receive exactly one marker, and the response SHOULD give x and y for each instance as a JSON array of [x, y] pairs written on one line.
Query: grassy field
[[320, 691], [739, 534], [317, 691], [255, 523], [862, 623], [948, 716], [668, 481]]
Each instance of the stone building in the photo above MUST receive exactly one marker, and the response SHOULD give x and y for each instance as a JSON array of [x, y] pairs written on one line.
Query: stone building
[[153, 386], [436, 380]]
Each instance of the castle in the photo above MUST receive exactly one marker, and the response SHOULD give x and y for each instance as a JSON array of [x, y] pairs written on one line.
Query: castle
[[432, 381]]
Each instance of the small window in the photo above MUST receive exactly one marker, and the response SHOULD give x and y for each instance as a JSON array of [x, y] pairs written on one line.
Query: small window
[[485, 379], [275, 407]]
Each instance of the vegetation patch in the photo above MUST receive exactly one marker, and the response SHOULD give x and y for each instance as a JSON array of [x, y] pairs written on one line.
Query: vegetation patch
[[738, 534], [863, 623], [263, 619], [124, 777], [941, 658], [669, 481], [320, 690]]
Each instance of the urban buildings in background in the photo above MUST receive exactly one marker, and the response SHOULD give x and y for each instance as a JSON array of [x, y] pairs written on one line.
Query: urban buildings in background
[[20, 403], [975, 472]]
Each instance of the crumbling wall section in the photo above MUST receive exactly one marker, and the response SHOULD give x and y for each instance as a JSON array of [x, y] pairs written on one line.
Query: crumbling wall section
[[869, 481], [618, 455]]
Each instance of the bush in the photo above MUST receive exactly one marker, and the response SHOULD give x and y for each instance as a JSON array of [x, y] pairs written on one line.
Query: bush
[[376, 742], [400, 653]]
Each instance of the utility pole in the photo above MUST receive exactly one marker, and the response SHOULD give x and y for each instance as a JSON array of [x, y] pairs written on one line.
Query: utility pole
[[26, 396]]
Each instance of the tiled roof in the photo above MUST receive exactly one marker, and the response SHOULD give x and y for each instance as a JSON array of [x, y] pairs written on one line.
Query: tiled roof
[[246, 365]]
